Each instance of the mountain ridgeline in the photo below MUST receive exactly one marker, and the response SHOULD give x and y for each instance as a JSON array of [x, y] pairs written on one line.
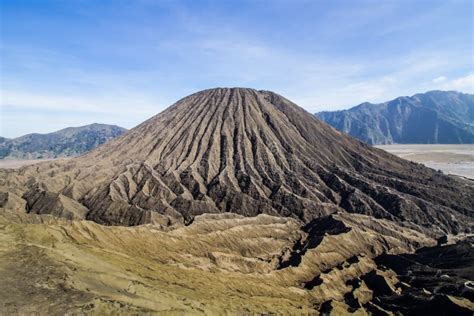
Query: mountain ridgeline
[[71, 141], [252, 205], [247, 152], [435, 117]]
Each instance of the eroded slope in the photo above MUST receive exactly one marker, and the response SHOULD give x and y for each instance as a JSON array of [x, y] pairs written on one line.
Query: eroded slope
[[222, 263], [242, 151]]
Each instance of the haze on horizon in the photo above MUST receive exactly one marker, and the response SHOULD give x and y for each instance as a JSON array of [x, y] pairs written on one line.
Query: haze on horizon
[[71, 63]]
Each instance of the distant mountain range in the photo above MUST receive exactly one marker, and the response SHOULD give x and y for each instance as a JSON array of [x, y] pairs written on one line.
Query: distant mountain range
[[444, 117], [71, 141], [435, 117]]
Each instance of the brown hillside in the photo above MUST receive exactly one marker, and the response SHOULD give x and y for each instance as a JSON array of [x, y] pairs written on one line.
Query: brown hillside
[[242, 151]]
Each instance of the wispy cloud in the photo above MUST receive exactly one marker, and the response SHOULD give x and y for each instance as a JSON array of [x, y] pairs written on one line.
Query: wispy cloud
[[132, 61], [464, 84], [381, 80], [439, 79], [125, 103]]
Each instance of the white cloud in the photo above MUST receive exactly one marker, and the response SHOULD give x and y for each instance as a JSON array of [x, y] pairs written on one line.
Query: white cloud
[[25, 112], [351, 94], [125, 103], [463, 84], [439, 79], [314, 81], [388, 79]]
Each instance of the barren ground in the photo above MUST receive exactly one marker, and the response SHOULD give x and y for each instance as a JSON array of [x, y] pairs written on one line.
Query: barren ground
[[451, 159], [220, 264], [18, 163]]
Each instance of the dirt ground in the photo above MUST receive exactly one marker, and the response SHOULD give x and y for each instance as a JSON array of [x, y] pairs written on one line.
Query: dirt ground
[[18, 163], [451, 159]]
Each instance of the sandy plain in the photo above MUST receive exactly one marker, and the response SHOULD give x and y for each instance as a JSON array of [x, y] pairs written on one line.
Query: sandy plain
[[451, 159], [18, 163]]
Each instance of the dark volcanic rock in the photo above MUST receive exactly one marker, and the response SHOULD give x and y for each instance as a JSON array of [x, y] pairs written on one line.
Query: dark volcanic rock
[[433, 274]]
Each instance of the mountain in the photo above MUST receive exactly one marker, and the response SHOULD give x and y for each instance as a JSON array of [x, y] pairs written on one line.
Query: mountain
[[435, 117], [231, 200], [246, 152], [71, 141]]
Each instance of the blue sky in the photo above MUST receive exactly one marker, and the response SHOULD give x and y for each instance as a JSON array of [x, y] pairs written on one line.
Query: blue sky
[[75, 62]]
